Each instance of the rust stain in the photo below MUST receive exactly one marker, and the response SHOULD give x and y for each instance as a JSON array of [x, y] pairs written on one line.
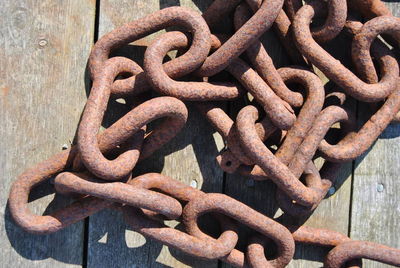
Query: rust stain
[[5, 91]]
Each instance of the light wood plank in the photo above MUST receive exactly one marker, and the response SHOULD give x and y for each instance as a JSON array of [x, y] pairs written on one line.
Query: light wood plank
[[188, 158], [376, 203], [43, 50]]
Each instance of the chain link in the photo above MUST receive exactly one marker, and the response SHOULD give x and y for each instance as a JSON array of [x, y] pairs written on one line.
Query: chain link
[[287, 107]]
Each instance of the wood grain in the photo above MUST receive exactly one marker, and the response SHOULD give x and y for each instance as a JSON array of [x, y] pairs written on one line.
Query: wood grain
[[375, 202], [189, 158], [43, 47], [43, 50]]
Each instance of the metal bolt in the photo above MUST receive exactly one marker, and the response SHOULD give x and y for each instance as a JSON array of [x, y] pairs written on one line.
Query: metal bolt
[[331, 191], [193, 184], [380, 187], [43, 42]]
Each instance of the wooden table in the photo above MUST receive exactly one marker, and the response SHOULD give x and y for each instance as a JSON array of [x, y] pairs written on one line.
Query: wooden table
[[44, 46]]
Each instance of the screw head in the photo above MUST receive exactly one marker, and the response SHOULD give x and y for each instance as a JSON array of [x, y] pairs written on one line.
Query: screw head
[[43, 42], [193, 184], [331, 191], [380, 187]]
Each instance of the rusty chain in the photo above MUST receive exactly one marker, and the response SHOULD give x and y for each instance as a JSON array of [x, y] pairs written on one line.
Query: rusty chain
[[286, 107]]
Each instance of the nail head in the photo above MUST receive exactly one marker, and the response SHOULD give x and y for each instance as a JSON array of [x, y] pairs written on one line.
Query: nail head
[[380, 187], [193, 183]]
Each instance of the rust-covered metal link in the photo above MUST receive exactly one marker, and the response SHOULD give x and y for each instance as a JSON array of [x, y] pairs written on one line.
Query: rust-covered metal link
[[196, 242], [228, 206], [365, 68], [362, 249], [334, 23], [194, 91], [369, 132], [120, 167], [317, 236], [309, 111], [231, 158], [219, 9], [323, 123], [366, 136], [175, 68], [369, 8], [304, 235], [363, 40], [277, 137], [291, 7], [173, 16], [374, 8], [204, 248], [323, 179], [207, 249], [281, 27], [327, 175], [278, 172], [345, 250], [107, 140], [264, 65], [256, 253], [323, 238], [119, 192], [111, 138], [338, 73], [280, 112], [19, 193], [93, 116], [294, 137], [335, 19], [260, 22]]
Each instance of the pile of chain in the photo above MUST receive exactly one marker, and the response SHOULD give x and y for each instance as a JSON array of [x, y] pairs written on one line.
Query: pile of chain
[[296, 122]]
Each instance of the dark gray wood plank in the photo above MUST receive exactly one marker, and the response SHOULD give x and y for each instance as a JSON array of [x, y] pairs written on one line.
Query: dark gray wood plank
[[43, 50], [189, 158]]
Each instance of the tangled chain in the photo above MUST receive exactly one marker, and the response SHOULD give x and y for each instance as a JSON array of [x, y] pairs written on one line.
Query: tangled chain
[[297, 122]]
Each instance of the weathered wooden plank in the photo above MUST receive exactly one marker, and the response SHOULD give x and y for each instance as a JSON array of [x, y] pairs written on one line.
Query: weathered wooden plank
[[188, 158], [375, 202], [43, 51]]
